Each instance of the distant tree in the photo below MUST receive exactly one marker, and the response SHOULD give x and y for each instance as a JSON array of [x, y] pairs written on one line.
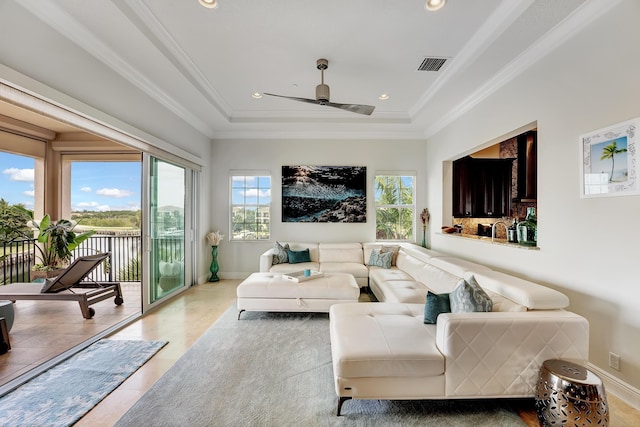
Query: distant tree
[[609, 152], [393, 222], [13, 221]]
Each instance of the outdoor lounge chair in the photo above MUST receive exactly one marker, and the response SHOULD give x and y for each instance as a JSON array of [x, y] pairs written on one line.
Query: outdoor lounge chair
[[68, 286]]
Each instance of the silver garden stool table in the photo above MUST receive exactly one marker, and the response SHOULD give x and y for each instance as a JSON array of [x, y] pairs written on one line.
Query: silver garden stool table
[[570, 394]]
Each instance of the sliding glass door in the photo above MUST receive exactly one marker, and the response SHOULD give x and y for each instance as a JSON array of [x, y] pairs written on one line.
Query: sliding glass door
[[166, 229]]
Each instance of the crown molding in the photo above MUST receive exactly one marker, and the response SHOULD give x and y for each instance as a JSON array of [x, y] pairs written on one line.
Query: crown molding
[[501, 19], [580, 18], [51, 14], [319, 135], [142, 17]]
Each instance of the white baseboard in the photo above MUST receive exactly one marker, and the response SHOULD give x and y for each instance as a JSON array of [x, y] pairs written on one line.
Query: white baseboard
[[619, 388]]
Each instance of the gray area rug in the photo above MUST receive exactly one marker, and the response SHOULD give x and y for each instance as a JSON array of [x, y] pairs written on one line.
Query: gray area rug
[[274, 369], [61, 395]]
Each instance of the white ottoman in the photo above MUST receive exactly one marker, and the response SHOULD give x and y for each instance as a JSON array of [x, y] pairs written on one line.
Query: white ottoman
[[271, 292]]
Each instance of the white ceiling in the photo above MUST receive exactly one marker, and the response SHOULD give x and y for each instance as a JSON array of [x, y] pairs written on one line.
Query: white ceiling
[[204, 64]]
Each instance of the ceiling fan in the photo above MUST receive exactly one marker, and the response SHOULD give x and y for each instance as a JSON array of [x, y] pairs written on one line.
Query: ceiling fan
[[322, 95]]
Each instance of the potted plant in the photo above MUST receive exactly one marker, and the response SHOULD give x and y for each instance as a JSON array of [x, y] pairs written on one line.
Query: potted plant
[[56, 242]]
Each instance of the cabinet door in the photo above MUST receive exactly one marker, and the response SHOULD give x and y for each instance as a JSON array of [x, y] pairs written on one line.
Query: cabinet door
[[462, 188], [493, 190]]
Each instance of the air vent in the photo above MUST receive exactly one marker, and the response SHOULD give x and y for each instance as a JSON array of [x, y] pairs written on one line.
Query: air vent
[[432, 64]]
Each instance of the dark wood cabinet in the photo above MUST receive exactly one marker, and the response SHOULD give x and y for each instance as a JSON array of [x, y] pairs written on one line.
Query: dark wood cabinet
[[482, 187]]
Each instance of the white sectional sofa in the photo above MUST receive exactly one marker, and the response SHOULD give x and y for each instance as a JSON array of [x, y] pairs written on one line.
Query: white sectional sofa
[[384, 350], [325, 257]]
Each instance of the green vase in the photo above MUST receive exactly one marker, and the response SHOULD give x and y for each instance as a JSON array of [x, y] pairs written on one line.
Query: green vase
[[424, 236], [214, 265], [528, 229]]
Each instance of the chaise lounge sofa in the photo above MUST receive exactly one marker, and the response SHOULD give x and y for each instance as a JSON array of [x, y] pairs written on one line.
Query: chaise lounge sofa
[[385, 350]]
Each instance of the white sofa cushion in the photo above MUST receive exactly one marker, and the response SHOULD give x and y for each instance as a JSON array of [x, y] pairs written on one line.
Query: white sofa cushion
[[380, 275], [526, 293], [383, 340], [409, 264], [437, 280], [289, 268], [456, 266], [353, 268], [405, 291], [313, 249], [501, 303], [340, 252]]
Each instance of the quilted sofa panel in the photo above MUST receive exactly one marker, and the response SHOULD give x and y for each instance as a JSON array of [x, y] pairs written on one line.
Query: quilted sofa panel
[[396, 343], [500, 354]]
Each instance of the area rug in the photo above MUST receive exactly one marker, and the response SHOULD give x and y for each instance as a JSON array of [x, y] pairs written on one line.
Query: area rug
[[274, 369], [61, 395]]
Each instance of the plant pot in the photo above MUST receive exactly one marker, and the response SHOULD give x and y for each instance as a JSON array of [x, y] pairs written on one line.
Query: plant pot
[[45, 274]]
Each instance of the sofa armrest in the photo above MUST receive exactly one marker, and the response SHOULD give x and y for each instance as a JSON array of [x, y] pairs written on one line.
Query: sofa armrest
[[498, 353], [266, 260]]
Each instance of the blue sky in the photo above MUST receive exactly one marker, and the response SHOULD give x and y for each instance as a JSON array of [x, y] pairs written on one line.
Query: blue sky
[[95, 186]]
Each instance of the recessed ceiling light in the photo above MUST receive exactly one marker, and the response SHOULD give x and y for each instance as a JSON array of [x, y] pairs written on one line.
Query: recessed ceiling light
[[434, 4], [211, 4], [256, 95], [384, 97]]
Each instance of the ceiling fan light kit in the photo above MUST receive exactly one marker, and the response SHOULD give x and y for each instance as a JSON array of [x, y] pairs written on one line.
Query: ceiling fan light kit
[[323, 92]]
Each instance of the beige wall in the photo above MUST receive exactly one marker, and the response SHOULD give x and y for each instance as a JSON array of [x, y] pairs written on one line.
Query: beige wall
[[588, 247]]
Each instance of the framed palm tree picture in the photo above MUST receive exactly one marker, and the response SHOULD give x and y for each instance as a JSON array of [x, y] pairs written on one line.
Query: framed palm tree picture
[[609, 164]]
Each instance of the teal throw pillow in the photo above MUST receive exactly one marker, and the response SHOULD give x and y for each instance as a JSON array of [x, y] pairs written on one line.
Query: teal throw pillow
[[380, 259], [296, 257], [280, 253], [436, 304], [469, 297]]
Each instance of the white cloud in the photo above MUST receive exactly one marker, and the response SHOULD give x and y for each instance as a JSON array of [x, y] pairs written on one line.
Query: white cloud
[[29, 193], [254, 192], [86, 189], [85, 205], [22, 175], [91, 206], [114, 192]]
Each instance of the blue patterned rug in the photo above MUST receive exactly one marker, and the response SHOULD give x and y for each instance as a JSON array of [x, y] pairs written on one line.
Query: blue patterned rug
[[63, 394]]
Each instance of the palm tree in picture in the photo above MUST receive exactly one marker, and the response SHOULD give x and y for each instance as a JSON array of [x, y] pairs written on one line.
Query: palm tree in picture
[[609, 152]]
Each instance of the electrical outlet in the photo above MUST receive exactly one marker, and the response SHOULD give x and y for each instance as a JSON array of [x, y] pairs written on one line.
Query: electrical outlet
[[614, 361]]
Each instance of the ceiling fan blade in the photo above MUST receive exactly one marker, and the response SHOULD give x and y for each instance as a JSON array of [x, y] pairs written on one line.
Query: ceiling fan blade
[[307, 100], [354, 108]]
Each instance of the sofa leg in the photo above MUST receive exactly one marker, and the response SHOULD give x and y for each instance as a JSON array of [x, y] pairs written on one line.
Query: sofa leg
[[239, 313], [341, 401]]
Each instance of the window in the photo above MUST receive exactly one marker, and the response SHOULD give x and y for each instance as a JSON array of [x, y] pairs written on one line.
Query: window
[[250, 207], [395, 207]]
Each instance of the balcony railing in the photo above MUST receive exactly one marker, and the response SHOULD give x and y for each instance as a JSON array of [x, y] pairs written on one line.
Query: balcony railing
[[123, 266]]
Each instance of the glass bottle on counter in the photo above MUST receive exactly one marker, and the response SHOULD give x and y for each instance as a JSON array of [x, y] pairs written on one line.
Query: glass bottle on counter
[[528, 229], [512, 232]]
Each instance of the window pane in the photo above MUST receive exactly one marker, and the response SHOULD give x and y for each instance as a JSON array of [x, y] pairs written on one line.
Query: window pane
[[250, 207], [395, 210]]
